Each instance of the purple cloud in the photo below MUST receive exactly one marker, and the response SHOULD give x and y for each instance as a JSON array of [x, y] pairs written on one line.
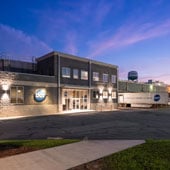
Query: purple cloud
[[101, 10], [70, 40], [161, 77], [128, 34], [19, 45], [157, 69], [75, 18]]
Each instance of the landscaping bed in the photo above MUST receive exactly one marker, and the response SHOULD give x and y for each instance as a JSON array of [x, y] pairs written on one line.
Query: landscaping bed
[[152, 155]]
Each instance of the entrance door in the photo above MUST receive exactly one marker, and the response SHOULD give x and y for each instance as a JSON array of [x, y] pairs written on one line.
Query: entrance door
[[74, 99], [76, 103]]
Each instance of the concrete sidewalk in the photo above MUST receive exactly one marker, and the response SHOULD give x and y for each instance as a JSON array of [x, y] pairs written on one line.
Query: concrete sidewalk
[[66, 156]]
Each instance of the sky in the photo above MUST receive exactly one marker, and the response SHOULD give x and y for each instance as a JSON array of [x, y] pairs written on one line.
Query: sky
[[133, 34]]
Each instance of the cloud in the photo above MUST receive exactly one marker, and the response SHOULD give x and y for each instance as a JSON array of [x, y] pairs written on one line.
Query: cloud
[[161, 77], [20, 45], [156, 69], [128, 34], [101, 10], [81, 17], [71, 43]]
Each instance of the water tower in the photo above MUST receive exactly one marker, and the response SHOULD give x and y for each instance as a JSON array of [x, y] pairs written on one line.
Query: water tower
[[133, 75]]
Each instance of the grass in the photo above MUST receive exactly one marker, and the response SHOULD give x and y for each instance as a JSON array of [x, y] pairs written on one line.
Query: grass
[[152, 155], [35, 144]]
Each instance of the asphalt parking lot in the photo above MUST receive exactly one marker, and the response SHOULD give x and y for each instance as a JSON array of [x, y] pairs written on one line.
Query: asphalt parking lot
[[121, 124]]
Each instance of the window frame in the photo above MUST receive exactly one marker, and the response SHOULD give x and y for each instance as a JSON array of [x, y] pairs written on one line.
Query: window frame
[[95, 76], [66, 72], [114, 95], [75, 76], [113, 79], [105, 94], [104, 78], [17, 97], [95, 94], [84, 77]]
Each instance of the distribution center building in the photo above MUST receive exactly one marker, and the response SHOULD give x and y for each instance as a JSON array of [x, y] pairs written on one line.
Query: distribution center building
[[57, 82]]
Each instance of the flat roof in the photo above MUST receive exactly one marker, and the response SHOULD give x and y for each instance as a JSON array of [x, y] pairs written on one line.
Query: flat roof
[[70, 56]]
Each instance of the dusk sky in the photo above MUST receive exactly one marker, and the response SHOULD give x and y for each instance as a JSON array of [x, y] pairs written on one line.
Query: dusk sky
[[133, 34]]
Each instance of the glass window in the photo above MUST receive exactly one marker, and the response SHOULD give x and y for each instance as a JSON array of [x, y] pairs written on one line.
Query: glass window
[[66, 72], [13, 94], [75, 73], [105, 78], [113, 95], [113, 79], [84, 75], [95, 76], [17, 94], [105, 94], [95, 94]]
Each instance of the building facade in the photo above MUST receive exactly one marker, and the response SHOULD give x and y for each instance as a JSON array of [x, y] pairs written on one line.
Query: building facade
[[57, 82], [81, 83]]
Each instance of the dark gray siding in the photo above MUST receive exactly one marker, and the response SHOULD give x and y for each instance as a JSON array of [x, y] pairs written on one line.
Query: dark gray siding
[[46, 66], [73, 64], [35, 78], [102, 70]]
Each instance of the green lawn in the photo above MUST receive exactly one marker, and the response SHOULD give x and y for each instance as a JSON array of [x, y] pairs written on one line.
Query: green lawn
[[152, 155], [37, 144]]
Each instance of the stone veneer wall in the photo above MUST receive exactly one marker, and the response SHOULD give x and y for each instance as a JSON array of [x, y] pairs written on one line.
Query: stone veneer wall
[[27, 110], [103, 106], [30, 83]]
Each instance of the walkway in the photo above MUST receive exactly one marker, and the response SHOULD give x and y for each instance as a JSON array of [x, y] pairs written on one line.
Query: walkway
[[66, 156]]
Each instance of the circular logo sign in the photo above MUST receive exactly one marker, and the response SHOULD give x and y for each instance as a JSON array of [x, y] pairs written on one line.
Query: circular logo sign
[[157, 97], [40, 95]]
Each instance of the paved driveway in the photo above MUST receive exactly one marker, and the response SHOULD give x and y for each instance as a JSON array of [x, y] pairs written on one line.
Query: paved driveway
[[124, 124]]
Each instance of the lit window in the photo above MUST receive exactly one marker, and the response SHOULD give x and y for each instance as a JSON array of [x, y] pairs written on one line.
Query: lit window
[[95, 76], [105, 94], [84, 75], [17, 94], [105, 78], [75, 74], [113, 79], [113, 95], [66, 72]]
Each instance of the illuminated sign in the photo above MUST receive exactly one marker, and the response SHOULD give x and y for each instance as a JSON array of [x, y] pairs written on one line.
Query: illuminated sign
[[40, 95], [157, 97]]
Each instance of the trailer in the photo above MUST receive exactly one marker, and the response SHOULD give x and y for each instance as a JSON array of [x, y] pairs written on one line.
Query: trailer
[[143, 99]]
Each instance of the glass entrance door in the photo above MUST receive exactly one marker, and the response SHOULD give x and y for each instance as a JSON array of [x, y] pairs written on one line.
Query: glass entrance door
[[74, 99], [76, 103]]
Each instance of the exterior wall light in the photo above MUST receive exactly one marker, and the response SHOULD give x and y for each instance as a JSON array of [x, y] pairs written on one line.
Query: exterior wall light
[[101, 89], [5, 87], [110, 97], [168, 89], [110, 90], [100, 97], [5, 98]]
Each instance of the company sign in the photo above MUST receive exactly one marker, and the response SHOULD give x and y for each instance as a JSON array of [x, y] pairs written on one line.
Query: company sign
[[157, 97], [40, 95]]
